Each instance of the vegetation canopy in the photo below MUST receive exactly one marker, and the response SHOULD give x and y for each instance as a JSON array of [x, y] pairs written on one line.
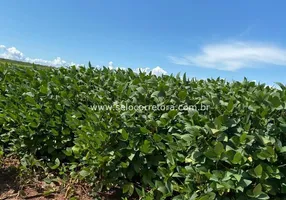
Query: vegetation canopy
[[233, 150]]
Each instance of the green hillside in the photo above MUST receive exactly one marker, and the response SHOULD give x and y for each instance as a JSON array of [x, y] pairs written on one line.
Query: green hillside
[[19, 63]]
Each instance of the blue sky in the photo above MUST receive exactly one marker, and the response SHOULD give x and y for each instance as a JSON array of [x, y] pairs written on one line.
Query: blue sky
[[202, 38]]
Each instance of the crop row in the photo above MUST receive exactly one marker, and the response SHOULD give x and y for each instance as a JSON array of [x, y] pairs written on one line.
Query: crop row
[[233, 150]]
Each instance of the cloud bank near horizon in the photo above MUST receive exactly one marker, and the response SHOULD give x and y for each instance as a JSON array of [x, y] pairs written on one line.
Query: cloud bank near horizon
[[13, 53]]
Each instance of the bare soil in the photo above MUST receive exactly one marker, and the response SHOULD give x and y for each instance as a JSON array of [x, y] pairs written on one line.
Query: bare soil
[[13, 188]]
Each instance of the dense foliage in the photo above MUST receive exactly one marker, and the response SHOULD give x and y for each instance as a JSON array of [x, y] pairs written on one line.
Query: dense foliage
[[233, 150]]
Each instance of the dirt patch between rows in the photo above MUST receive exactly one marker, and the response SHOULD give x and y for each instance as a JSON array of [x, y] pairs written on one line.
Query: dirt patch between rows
[[11, 188]]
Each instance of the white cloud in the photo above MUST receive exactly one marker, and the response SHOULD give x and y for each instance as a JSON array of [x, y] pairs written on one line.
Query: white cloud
[[11, 53], [75, 64], [110, 65], [158, 71], [56, 62], [233, 56], [155, 71], [146, 69], [14, 54]]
